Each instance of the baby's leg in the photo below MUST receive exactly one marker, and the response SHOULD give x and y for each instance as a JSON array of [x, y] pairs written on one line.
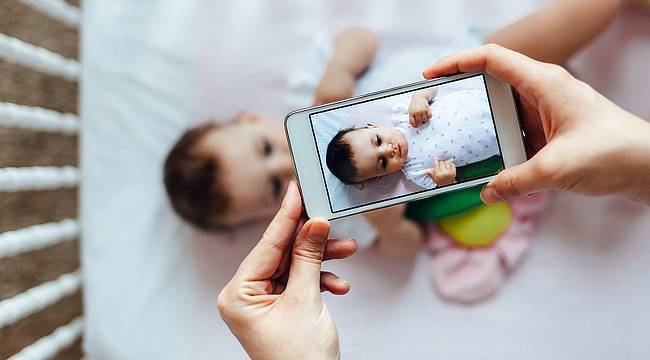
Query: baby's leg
[[555, 32]]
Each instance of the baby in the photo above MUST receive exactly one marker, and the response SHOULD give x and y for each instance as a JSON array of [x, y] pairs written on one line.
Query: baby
[[208, 186], [427, 152]]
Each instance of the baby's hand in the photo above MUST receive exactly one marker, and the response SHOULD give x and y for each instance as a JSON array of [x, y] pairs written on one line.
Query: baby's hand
[[419, 111], [443, 172], [336, 84]]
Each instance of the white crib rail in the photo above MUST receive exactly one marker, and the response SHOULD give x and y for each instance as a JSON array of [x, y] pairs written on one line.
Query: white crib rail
[[57, 9], [38, 298], [36, 118], [37, 58], [37, 237], [48, 346], [38, 178]]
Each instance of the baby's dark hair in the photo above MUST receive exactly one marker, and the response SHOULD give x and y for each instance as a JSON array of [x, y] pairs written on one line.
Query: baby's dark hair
[[191, 177], [340, 159]]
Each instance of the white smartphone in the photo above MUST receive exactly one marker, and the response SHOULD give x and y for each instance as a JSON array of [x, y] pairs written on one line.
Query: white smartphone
[[403, 144]]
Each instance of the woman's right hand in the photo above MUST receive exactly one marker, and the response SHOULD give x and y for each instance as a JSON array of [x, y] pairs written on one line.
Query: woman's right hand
[[579, 141]]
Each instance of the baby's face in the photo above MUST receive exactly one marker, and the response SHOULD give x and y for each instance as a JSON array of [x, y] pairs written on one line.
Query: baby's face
[[377, 151], [256, 166]]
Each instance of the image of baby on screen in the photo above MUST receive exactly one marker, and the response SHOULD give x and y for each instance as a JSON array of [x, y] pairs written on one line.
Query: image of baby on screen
[[427, 152], [431, 137]]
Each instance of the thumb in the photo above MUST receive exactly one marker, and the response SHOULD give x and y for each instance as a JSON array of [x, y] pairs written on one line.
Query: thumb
[[513, 182], [307, 257]]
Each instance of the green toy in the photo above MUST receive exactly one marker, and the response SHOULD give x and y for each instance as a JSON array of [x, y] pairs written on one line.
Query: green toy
[[461, 214], [454, 203]]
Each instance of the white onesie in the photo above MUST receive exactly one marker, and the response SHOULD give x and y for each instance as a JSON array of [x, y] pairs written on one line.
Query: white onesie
[[460, 129]]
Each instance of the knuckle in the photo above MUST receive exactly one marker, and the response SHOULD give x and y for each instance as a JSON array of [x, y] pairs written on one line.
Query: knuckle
[[510, 187], [309, 250], [492, 49], [557, 73], [223, 304]]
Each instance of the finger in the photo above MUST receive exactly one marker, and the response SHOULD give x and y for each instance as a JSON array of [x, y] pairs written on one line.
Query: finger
[[283, 265], [307, 257], [334, 284], [436, 167], [504, 64], [515, 182], [450, 165], [339, 249], [429, 114], [266, 256], [535, 137]]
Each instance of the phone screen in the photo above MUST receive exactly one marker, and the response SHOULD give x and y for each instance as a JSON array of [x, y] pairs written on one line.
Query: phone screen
[[406, 143]]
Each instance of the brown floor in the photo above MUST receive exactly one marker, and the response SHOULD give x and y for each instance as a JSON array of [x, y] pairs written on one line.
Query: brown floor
[[27, 148]]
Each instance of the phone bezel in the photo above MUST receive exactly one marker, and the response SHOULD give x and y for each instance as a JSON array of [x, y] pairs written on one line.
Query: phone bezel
[[307, 164]]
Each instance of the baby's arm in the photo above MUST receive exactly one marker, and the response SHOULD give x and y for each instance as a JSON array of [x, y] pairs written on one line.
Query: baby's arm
[[354, 49], [419, 110], [397, 235], [443, 172]]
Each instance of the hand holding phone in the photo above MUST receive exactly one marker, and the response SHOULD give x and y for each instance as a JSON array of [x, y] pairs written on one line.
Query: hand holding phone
[[403, 144]]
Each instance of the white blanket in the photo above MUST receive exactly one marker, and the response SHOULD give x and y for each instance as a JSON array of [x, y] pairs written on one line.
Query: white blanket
[[150, 282]]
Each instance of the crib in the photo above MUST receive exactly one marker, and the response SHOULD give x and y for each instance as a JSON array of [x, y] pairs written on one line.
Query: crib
[[150, 69], [39, 311]]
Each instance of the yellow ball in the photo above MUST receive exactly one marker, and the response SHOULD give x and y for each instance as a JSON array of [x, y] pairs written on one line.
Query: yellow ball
[[479, 226]]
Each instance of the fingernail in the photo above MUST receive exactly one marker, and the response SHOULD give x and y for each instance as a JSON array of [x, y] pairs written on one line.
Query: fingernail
[[316, 233], [489, 195]]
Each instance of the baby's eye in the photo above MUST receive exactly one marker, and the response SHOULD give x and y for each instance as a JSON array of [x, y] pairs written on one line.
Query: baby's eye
[[276, 186], [267, 147], [378, 140]]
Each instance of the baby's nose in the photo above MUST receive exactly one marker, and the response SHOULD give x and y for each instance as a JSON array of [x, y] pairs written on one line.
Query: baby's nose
[[392, 149], [285, 168]]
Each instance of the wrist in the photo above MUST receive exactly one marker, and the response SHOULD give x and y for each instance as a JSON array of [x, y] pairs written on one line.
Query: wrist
[[635, 155]]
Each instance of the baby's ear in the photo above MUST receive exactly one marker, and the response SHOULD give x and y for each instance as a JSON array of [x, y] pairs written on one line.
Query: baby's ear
[[370, 126]]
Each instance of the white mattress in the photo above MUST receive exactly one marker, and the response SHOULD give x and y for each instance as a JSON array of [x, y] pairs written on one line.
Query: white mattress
[[150, 68]]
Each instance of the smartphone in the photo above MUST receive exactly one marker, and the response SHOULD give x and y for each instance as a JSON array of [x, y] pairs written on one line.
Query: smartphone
[[403, 144]]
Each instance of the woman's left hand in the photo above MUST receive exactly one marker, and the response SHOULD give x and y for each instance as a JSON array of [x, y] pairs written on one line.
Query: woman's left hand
[[273, 303]]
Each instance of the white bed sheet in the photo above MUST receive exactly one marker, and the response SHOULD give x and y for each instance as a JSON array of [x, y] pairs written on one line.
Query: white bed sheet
[[151, 282]]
